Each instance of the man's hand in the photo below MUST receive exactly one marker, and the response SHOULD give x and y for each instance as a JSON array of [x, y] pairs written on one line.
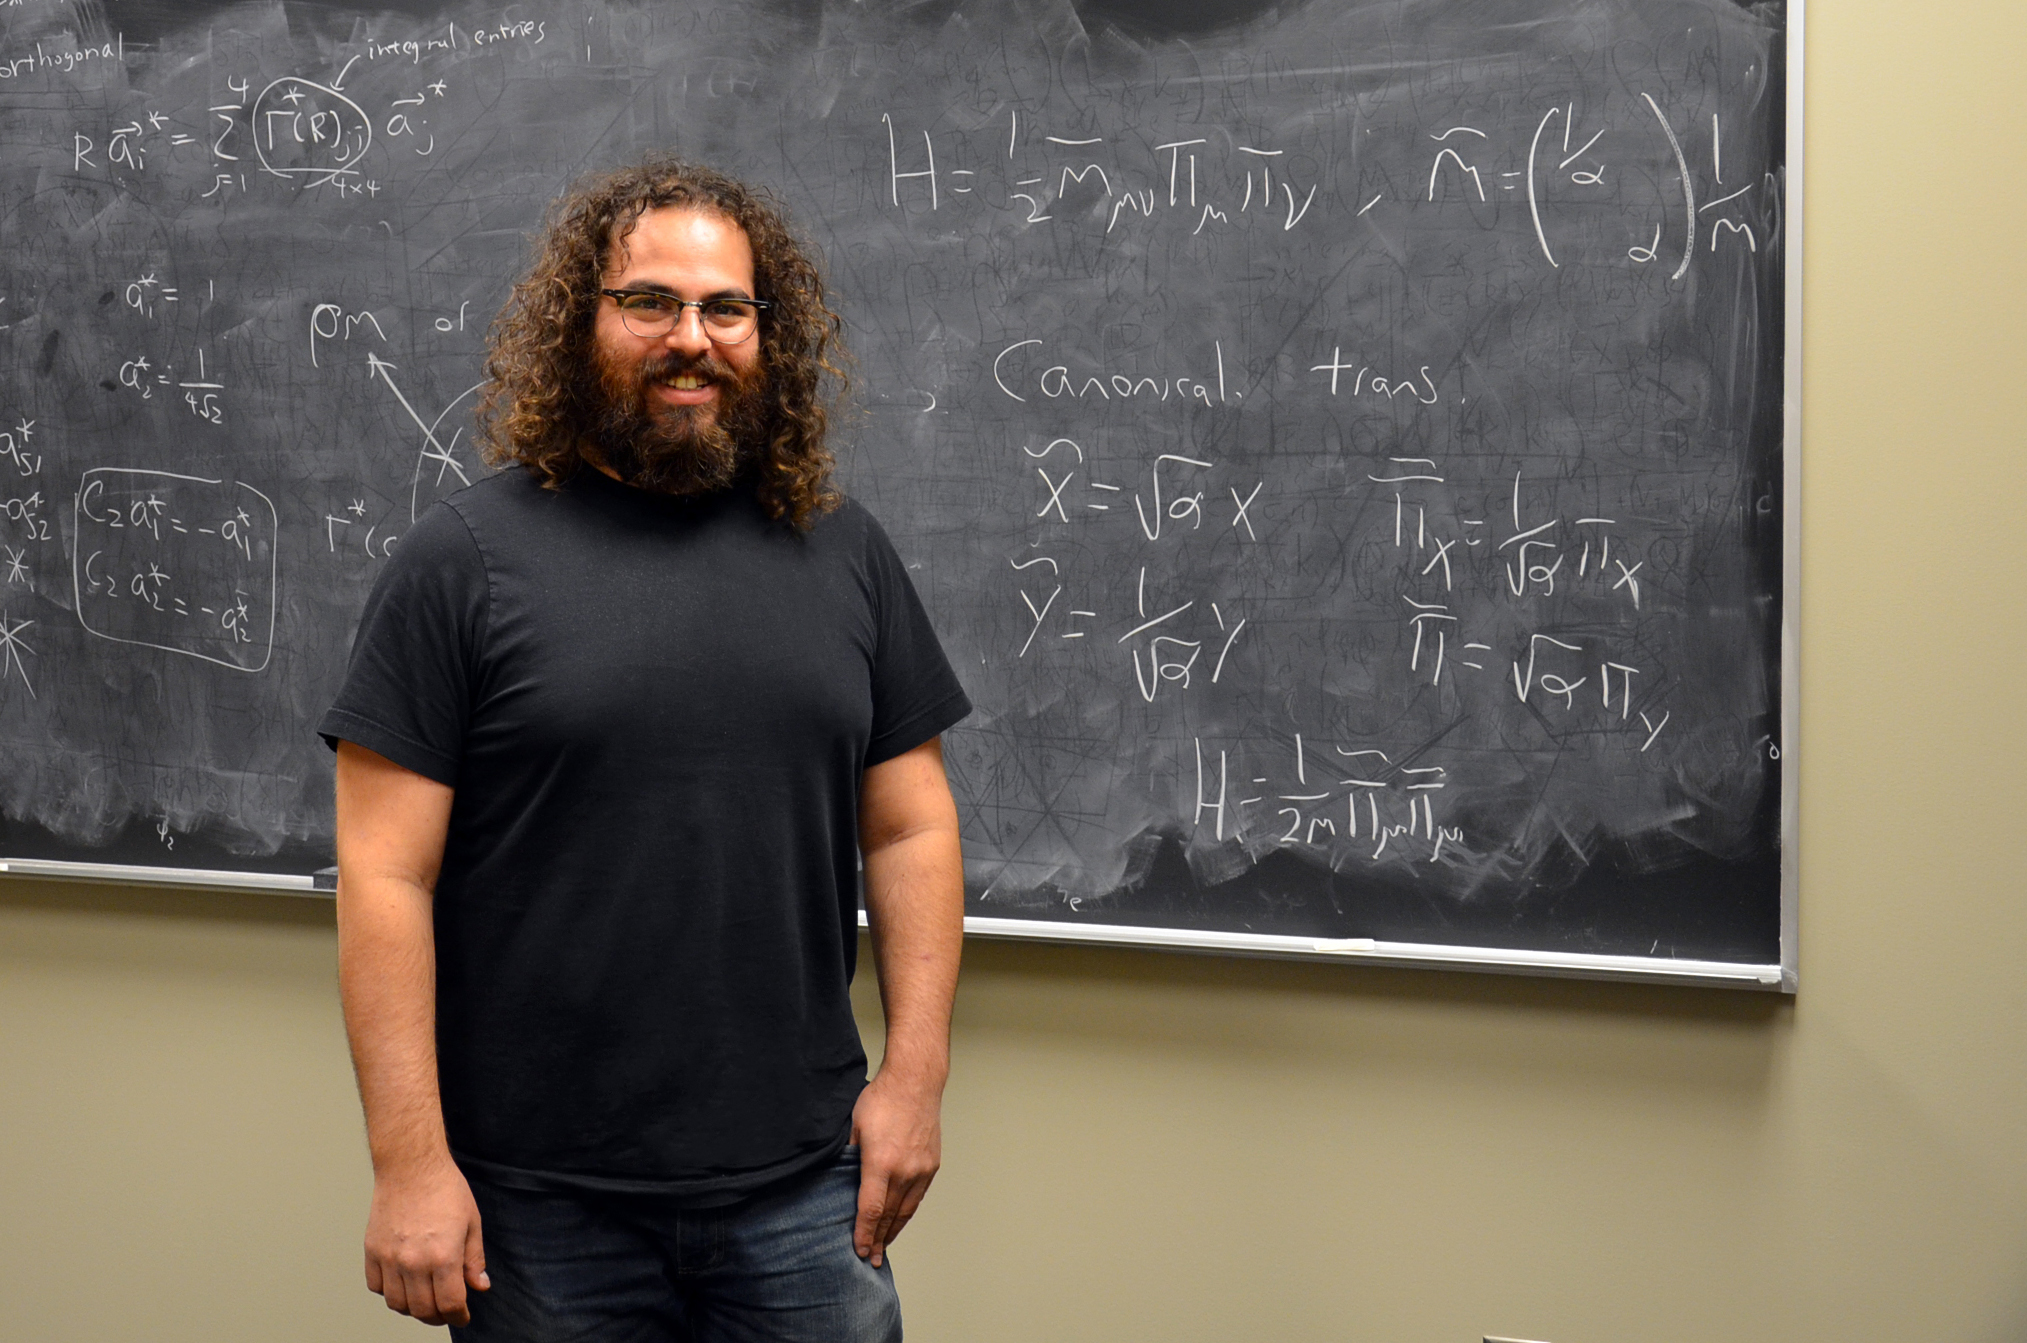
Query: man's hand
[[900, 1140], [422, 1245]]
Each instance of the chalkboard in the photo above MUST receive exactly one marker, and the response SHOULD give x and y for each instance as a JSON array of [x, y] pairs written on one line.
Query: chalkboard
[[1343, 446]]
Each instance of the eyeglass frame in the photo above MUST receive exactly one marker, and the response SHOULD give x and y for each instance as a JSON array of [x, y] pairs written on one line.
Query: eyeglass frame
[[759, 305]]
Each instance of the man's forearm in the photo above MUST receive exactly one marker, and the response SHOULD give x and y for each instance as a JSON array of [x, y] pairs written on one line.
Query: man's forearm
[[387, 980], [424, 1252], [915, 898], [915, 903]]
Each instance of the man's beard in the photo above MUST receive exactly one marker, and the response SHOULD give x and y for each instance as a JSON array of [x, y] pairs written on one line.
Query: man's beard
[[680, 450]]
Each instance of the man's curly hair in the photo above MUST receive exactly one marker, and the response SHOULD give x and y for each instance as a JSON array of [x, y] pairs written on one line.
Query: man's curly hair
[[542, 392]]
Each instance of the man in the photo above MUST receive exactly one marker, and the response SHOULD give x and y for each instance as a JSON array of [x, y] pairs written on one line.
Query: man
[[621, 724]]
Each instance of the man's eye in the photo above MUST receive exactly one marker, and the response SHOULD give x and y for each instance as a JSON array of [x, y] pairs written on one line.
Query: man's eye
[[650, 305], [725, 310]]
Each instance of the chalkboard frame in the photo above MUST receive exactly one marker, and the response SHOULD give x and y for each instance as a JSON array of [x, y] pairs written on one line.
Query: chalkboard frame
[[1781, 976], [1357, 950]]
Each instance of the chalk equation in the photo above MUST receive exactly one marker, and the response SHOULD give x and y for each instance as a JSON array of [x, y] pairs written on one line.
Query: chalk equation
[[1098, 179], [1070, 177], [180, 563], [1340, 451]]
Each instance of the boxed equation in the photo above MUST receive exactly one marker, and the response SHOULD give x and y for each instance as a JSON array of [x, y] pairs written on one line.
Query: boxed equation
[[180, 563]]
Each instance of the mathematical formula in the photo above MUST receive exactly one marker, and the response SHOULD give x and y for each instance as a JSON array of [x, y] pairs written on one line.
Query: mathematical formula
[[1344, 442]]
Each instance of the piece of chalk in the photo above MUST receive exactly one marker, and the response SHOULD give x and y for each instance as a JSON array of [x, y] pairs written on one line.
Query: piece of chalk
[[1342, 944]]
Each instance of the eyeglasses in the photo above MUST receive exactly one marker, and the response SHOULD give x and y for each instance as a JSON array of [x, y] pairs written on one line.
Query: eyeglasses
[[651, 315]]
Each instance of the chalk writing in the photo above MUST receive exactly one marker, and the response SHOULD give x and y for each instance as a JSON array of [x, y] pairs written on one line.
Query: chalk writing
[[181, 563], [1340, 452]]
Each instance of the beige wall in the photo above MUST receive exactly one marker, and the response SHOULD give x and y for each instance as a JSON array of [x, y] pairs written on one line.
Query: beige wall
[[1155, 1147]]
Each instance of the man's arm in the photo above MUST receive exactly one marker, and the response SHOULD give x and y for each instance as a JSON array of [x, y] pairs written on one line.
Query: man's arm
[[915, 903], [422, 1235]]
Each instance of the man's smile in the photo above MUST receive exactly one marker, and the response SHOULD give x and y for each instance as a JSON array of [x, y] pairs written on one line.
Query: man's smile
[[685, 389]]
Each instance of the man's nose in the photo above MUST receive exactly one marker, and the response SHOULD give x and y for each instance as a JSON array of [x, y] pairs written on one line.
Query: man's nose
[[688, 334]]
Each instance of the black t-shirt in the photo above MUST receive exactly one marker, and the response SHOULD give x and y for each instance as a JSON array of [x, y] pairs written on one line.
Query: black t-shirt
[[655, 713]]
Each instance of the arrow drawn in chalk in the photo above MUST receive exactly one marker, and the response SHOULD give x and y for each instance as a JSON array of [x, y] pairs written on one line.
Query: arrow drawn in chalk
[[434, 450]]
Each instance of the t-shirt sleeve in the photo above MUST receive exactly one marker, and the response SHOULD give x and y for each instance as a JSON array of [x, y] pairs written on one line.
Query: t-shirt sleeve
[[916, 695], [408, 690]]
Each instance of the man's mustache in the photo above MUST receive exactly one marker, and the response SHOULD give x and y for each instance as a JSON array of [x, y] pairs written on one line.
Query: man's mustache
[[669, 364]]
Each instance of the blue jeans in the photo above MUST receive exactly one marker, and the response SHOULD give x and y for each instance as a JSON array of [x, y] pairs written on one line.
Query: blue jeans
[[627, 1268]]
